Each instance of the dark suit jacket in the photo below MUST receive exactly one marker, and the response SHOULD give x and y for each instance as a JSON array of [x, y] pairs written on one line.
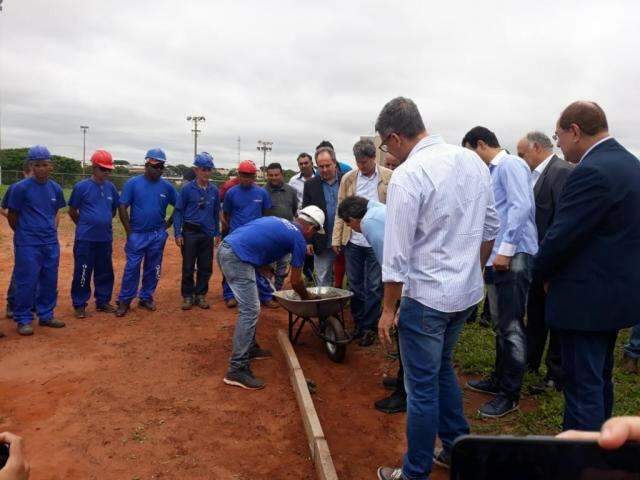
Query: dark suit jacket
[[591, 253], [314, 195], [547, 192]]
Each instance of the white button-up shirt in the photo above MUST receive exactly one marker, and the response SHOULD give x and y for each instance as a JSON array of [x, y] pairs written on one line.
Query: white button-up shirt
[[440, 208], [366, 187], [297, 182], [537, 172]]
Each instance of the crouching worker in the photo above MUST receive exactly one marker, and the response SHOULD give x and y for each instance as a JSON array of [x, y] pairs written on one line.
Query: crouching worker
[[256, 245]]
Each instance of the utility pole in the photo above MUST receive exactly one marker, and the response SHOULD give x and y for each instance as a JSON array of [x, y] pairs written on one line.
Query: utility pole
[[264, 146], [84, 129], [195, 119]]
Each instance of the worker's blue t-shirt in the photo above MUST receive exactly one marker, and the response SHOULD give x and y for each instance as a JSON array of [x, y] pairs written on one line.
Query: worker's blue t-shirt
[[245, 204], [97, 203], [37, 205], [266, 240], [148, 201], [5, 199]]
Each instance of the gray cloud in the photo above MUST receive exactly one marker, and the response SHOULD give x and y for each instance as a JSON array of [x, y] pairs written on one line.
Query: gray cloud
[[298, 72]]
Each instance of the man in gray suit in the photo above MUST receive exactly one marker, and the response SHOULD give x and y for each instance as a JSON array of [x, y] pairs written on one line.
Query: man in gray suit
[[548, 174]]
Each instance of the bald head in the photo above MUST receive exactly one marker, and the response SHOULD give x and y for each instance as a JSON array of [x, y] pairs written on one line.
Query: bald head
[[581, 125], [534, 148]]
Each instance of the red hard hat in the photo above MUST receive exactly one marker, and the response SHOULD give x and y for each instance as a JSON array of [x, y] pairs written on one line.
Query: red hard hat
[[102, 158], [247, 166]]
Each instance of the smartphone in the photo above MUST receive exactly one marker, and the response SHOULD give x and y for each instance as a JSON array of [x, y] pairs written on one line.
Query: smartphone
[[4, 454], [541, 458]]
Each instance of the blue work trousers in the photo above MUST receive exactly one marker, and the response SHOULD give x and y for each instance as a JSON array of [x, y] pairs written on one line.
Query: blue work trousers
[[365, 281], [36, 270], [434, 399], [146, 247], [92, 259]]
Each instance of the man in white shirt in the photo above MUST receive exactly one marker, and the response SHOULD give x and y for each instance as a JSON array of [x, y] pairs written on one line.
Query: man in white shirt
[[305, 164], [440, 227]]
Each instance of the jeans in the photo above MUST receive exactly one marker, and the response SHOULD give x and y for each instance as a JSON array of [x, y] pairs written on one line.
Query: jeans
[[508, 298], [264, 289], [587, 361], [197, 251], [92, 259], [434, 399], [323, 263], [365, 281], [282, 270], [241, 278], [36, 270], [147, 246], [632, 349]]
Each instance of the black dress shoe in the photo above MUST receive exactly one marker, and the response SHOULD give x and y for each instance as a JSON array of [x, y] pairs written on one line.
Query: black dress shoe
[[390, 383], [487, 386], [394, 403]]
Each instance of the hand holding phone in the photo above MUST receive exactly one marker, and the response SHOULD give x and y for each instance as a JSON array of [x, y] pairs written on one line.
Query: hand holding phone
[[15, 466]]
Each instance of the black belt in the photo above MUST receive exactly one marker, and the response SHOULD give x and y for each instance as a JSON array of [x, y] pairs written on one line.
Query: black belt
[[191, 227]]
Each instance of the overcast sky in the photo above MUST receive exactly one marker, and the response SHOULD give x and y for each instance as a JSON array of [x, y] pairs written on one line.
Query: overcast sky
[[298, 72]]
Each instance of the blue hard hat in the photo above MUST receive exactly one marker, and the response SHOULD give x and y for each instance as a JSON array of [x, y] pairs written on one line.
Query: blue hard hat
[[156, 154], [203, 160], [38, 152]]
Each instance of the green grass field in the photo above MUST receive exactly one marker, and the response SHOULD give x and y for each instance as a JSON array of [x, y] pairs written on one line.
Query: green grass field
[[475, 355]]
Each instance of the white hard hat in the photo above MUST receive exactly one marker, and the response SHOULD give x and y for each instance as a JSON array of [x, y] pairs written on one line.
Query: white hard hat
[[314, 215]]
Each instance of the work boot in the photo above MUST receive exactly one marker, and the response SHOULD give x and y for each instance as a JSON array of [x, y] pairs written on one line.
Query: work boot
[[201, 302], [231, 303], [106, 308], [243, 378], [80, 312], [394, 403], [271, 304], [147, 305], [187, 303], [368, 338], [123, 308], [52, 323], [25, 329], [9, 312]]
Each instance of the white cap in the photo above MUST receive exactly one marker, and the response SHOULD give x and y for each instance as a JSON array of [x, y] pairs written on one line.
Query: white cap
[[313, 215]]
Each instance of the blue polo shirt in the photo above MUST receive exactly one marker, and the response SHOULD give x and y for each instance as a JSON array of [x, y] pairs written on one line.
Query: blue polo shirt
[[5, 199], [245, 204], [37, 205], [200, 206], [266, 240], [372, 226], [148, 201], [97, 203]]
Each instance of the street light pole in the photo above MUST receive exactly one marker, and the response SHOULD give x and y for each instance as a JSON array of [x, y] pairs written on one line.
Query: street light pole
[[84, 129], [195, 119], [264, 146]]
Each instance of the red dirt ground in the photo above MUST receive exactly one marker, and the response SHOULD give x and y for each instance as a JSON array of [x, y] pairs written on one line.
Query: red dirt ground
[[142, 397]]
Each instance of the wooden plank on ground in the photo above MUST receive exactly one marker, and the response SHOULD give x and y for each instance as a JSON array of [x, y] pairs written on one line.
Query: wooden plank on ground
[[315, 436]]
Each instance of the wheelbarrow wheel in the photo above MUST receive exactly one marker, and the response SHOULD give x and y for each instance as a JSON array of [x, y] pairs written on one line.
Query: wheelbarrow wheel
[[335, 331]]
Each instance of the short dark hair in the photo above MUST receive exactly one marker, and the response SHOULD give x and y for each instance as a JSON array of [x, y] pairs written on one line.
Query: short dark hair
[[274, 166], [352, 207], [325, 143], [304, 155], [400, 116], [364, 148], [476, 134], [589, 116], [329, 150]]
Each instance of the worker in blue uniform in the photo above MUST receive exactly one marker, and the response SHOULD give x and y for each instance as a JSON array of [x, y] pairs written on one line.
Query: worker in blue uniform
[[92, 206], [34, 205], [242, 204], [146, 197], [196, 226]]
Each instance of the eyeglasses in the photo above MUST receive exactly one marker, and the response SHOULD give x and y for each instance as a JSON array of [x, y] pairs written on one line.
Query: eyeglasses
[[383, 147]]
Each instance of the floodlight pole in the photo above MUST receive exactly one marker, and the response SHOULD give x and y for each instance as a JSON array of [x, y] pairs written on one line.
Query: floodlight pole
[[195, 119]]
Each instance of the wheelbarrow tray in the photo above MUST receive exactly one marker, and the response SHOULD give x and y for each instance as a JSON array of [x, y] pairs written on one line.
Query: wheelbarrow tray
[[330, 304]]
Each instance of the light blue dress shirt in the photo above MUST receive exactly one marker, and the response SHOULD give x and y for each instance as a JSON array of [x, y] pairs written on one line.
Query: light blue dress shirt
[[372, 226], [516, 207]]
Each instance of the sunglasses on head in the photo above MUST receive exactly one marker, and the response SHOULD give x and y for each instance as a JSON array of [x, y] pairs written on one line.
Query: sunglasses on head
[[157, 166]]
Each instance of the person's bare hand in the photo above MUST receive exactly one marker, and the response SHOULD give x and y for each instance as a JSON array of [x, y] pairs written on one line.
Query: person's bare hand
[[17, 467], [309, 249], [337, 249], [387, 321], [614, 433], [179, 242], [501, 263], [216, 241]]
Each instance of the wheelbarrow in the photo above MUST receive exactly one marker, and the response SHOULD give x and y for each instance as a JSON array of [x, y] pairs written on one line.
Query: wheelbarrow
[[325, 315]]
